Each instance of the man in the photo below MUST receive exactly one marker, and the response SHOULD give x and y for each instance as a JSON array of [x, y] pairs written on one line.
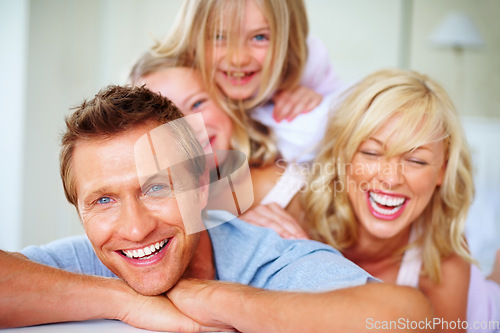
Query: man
[[128, 196]]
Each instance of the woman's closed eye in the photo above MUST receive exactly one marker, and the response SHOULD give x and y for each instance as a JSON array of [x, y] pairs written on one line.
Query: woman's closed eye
[[371, 153], [416, 161]]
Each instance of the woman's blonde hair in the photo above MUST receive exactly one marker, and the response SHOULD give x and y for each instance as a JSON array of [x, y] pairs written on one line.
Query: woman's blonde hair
[[149, 63], [426, 114], [197, 24]]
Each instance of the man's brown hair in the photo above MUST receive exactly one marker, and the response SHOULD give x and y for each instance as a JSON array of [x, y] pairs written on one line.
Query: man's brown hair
[[114, 110]]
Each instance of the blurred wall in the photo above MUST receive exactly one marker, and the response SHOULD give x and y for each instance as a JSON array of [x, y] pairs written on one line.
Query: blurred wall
[[61, 51]]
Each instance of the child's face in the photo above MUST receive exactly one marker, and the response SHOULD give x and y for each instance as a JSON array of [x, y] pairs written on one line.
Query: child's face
[[239, 73], [184, 87]]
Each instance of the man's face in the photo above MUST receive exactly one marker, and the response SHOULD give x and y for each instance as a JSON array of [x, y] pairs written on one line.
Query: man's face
[[136, 229]]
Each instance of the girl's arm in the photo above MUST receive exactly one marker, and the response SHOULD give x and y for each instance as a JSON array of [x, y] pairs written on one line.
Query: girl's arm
[[289, 104], [285, 221]]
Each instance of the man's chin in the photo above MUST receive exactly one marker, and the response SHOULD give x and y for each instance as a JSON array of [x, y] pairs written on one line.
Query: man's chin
[[150, 289]]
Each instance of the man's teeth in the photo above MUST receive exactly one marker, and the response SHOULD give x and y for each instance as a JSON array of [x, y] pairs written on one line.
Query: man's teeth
[[377, 200], [145, 252]]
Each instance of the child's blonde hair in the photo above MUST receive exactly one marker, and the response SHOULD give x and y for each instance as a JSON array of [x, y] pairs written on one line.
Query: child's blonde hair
[[198, 21], [426, 114], [257, 154]]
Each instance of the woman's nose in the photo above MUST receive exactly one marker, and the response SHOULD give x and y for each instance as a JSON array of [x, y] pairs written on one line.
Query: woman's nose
[[391, 173]]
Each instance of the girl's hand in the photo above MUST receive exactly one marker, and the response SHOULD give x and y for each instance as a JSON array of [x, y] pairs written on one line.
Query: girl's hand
[[289, 104], [274, 217]]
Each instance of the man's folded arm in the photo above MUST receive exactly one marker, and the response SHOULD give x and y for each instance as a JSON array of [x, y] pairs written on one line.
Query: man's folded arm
[[356, 309], [34, 294]]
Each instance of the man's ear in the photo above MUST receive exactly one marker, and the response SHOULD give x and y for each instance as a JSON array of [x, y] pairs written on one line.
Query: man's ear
[[204, 188]]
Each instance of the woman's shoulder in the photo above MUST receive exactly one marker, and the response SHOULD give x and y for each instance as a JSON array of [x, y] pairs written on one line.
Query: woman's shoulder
[[449, 297], [455, 271]]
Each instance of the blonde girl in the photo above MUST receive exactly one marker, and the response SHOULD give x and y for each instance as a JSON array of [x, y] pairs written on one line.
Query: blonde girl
[[252, 53]]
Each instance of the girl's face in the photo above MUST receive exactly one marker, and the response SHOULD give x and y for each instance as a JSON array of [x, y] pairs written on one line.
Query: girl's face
[[239, 73], [389, 194], [184, 87]]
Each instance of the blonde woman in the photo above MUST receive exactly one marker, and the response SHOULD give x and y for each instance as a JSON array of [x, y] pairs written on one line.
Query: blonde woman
[[391, 188]]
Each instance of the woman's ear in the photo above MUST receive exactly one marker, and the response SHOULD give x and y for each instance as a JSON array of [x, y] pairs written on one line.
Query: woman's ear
[[442, 173]]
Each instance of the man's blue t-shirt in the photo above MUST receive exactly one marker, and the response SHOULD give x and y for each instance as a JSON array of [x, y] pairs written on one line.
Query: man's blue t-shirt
[[243, 253]]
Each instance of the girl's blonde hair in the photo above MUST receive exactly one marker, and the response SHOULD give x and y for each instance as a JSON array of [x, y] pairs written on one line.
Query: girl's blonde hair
[[426, 114], [199, 21], [197, 24], [149, 63]]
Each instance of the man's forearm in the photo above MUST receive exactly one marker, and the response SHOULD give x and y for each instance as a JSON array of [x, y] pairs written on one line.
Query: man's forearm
[[248, 309], [35, 294]]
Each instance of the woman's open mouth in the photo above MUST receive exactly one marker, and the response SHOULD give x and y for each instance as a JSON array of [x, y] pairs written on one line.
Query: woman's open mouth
[[386, 206]]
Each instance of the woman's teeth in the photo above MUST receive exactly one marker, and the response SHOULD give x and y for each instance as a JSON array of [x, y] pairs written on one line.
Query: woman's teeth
[[145, 252], [391, 204]]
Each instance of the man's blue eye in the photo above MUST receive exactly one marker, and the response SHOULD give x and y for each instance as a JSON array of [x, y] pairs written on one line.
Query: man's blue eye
[[155, 188], [104, 200], [158, 190]]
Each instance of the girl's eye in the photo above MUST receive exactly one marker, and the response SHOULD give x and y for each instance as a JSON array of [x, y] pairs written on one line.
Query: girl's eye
[[104, 200], [197, 104], [260, 37], [220, 37]]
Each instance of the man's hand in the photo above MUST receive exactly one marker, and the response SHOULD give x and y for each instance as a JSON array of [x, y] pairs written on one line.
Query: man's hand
[[215, 303], [157, 313], [274, 217], [194, 298], [288, 104], [35, 294]]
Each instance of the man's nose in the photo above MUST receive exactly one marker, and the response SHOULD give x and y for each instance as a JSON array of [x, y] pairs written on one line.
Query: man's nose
[[136, 222]]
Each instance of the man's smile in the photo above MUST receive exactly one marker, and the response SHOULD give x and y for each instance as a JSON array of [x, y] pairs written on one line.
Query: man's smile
[[146, 252]]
